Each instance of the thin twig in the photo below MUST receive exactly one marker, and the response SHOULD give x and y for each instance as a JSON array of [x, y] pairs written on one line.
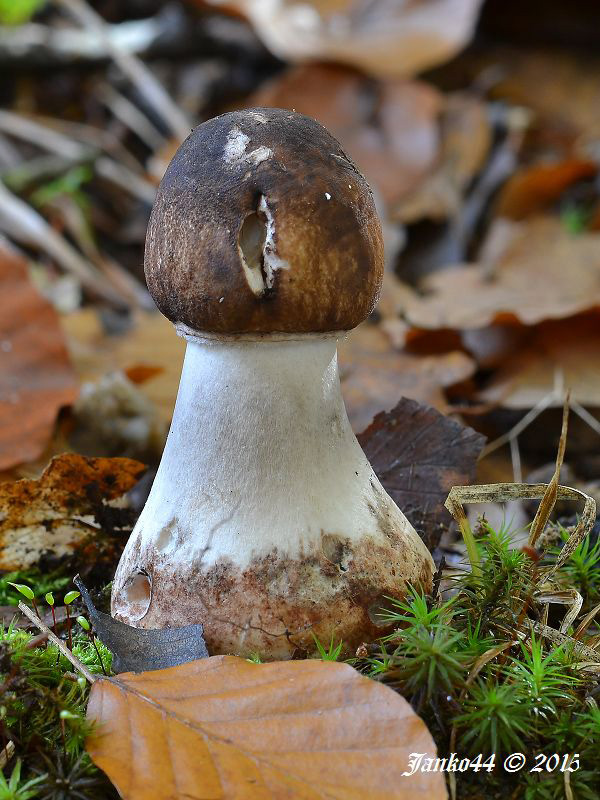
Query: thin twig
[[61, 645], [124, 172], [131, 66], [26, 226], [7, 753]]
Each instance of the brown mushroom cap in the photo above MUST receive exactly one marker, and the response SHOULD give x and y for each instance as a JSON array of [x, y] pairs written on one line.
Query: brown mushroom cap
[[263, 224]]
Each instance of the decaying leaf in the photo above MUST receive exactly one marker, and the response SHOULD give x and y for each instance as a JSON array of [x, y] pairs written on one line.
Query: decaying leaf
[[527, 282], [226, 728], [65, 509], [36, 377], [534, 189], [375, 375], [390, 37], [418, 455], [141, 650], [564, 351], [389, 128], [466, 138]]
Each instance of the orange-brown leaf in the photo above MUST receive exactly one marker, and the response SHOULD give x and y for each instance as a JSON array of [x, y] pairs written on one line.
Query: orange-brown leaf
[[225, 728], [534, 189], [36, 377]]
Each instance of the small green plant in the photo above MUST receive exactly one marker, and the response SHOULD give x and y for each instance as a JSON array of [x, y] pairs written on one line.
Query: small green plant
[[542, 678], [255, 658], [16, 789], [39, 583], [495, 718], [429, 660], [582, 570], [333, 651], [487, 678], [27, 594]]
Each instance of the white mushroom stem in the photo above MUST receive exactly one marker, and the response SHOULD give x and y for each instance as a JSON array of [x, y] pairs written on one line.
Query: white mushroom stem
[[260, 458]]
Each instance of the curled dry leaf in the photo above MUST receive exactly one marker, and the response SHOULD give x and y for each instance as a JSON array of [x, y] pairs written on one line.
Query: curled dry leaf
[[389, 128], [226, 728], [526, 282], [418, 455], [64, 509], [36, 377], [387, 38], [141, 649], [375, 376]]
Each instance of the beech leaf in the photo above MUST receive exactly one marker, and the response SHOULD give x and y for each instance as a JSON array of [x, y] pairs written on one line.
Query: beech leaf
[[418, 455], [223, 727]]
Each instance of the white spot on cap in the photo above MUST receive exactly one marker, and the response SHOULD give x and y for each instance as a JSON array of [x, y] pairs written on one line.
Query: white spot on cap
[[6, 345], [272, 262], [221, 299], [327, 195], [235, 153]]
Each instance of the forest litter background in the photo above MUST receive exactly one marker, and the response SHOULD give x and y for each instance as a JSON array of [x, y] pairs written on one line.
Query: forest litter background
[[473, 389]]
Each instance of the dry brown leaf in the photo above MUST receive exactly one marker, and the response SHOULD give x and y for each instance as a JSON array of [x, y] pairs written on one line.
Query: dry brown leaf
[[387, 38], [418, 455], [533, 189], [226, 728], [567, 350], [466, 137], [150, 348], [560, 86], [375, 376], [36, 378], [389, 128], [543, 272], [61, 510]]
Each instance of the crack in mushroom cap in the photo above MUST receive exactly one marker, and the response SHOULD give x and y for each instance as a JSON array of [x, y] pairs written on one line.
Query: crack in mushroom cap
[[263, 224]]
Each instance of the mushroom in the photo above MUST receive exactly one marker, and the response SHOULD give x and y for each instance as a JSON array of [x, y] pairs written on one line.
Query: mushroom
[[265, 522]]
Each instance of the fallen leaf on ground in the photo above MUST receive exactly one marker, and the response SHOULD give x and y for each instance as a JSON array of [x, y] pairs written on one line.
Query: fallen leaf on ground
[[564, 350], [533, 189], [140, 650], [64, 510], [543, 272], [418, 455], [150, 348], [224, 728], [387, 38], [560, 86], [375, 375], [389, 128], [466, 138], [36, 377]]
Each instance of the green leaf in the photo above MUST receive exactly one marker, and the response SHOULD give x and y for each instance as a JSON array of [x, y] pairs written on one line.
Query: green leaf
[[24, 590], [70, 596], [49, 597]]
